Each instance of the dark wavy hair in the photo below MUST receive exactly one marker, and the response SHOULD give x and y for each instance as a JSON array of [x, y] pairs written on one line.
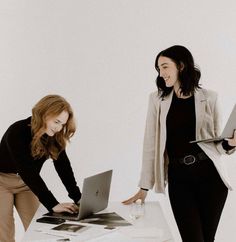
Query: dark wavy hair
[[189, 76]]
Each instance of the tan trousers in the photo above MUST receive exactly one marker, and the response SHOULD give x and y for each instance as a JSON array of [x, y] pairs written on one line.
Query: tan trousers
[[14, 192]]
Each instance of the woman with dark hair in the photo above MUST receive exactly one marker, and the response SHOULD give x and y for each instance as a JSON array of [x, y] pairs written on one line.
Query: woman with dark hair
[[24, 148], [181, 111]]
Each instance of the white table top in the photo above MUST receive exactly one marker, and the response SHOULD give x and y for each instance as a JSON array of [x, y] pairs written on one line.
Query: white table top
[[151, 227]]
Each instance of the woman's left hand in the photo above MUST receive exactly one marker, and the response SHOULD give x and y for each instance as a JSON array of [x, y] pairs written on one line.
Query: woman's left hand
[[232, 141]]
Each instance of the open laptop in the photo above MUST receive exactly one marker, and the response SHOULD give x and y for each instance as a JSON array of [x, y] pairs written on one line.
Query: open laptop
[[95, 195], [228, 130]]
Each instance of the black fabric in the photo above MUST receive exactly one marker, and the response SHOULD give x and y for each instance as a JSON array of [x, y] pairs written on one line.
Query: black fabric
[[181, 126], [15, 157], [197, 196], [197, 193], [226, 145]]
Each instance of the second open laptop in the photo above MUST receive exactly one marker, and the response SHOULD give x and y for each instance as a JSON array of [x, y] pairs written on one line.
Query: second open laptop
[[95, 195], [228, 130]]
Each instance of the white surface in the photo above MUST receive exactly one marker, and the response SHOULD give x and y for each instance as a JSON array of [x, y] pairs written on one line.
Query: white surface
[[114, 237], [100, 55], [151, 227]]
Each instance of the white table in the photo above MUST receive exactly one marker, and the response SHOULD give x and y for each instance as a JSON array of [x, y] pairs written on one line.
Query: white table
[[151, 227]]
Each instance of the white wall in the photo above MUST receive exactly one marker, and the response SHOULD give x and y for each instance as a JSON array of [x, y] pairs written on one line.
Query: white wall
[[100, 56]]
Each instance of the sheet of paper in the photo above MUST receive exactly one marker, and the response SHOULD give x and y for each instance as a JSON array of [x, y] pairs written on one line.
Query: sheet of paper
[[50, 240], [150, 232], [85, 234], [115, 236], [106, 219]]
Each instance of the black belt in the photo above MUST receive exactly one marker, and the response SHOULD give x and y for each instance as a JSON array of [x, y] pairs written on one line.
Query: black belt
[[190, 159]]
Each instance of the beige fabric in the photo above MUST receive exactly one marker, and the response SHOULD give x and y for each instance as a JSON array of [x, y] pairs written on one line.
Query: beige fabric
[[14, 192], [155, 159]]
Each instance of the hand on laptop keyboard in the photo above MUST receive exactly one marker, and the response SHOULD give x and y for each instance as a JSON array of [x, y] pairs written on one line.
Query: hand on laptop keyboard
[[66, 207]]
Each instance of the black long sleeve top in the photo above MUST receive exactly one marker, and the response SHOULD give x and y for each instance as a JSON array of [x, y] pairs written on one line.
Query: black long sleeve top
[[181, 126], [15, 157]]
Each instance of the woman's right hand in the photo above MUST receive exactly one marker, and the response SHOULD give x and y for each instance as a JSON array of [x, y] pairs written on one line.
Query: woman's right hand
[[66, 207], [141, 194]]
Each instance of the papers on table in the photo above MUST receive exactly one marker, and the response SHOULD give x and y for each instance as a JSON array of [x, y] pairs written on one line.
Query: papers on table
[[110, 237], [49, 240], [84, 233], [137, 232], [130, 234], [104, 227], [73, 232], [115, 236], [106, 219]]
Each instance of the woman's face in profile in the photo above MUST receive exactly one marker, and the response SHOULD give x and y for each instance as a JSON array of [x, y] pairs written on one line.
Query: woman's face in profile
[[168, 71], [56, 123]]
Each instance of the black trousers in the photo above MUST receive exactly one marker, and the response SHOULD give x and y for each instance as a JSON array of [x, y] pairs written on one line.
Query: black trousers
[[197, 196]]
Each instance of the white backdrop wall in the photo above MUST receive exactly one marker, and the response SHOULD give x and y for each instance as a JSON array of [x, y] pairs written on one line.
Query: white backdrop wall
[[100, 56]]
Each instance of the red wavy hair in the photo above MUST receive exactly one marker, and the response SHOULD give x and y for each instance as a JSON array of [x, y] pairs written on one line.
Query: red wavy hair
[[43, 145]]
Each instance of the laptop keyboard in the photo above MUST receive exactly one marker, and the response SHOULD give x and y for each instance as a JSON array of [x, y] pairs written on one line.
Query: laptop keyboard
[[64, 215]]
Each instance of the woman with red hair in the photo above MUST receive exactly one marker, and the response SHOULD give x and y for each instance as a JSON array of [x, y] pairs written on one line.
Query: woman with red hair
[[24, 148]]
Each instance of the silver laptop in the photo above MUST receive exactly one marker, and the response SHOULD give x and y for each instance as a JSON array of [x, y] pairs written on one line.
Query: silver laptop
[[227, 132], [95, 195]]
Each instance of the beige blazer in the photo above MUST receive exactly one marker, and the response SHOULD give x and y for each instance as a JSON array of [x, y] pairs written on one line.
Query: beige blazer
[[155, 159]]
